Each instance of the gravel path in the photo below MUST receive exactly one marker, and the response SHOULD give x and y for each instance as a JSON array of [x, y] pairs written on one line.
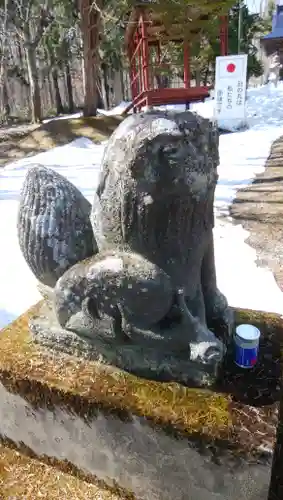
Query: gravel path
[[259, 208]]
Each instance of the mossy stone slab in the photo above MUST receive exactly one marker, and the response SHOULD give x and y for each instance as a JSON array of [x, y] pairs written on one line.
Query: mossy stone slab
[[147, 439], [28, 478]]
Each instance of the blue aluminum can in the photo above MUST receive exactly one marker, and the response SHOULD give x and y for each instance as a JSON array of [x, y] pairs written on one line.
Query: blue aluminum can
[[246, 340]]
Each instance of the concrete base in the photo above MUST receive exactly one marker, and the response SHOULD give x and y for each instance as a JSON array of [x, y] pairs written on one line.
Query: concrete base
[[151, 441]]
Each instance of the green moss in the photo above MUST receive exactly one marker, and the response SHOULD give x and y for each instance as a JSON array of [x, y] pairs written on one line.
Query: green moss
[[57, 379], [24, 476], [268, 323], [169, 404]]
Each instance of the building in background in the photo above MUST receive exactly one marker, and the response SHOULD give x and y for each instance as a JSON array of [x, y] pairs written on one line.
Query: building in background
[[268, 59], [272, 43]]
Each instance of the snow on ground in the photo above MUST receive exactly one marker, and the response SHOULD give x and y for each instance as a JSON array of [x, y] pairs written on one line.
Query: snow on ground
[[264, 108], [118, 110], [64, 117], [79, 162], [242, 156]]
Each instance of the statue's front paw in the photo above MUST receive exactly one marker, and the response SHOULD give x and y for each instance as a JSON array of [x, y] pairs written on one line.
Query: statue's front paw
[[207, 352]]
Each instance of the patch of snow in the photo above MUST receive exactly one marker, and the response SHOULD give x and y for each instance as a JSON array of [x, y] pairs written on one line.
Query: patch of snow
[[263, 108], [117, 110], [79, 161], [64, 117], [244, 283], [242, 157]]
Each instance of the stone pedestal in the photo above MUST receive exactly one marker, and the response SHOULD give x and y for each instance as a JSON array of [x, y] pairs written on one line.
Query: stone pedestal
[[146, 440]]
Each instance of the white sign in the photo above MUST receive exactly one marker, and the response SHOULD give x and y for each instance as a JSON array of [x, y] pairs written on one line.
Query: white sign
[[230, 87]]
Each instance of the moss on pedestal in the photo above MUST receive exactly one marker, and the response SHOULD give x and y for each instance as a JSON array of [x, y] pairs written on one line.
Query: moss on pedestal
[[22, 361], [223, 415], [25, 477]]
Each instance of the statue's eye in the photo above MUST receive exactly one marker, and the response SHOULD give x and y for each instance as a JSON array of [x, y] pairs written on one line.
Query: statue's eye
[[170, 150]]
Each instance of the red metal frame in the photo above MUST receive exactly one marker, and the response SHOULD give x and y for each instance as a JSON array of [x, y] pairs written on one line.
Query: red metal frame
[[140, 49]]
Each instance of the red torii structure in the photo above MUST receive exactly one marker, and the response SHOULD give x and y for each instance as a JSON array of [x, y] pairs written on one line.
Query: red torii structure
[[144, 34]]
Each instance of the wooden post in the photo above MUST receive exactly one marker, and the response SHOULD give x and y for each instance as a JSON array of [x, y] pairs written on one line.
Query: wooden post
[[224, 35]]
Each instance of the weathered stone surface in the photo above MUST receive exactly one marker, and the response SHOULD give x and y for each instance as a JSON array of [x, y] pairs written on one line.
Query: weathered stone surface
[[54, 229], [151, 353], [155, 198], [117, 283], [141, 458], [148, 301]]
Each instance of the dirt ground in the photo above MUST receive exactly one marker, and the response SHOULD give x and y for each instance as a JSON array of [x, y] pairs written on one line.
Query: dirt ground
[[259, 208], [26, 140]]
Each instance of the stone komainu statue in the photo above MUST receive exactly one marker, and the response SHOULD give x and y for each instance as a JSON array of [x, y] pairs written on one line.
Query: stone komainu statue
[[133, 278]]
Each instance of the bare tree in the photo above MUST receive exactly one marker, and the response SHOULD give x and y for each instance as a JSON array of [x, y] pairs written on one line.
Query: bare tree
[[31, 21], [90, 26], [3, 61]]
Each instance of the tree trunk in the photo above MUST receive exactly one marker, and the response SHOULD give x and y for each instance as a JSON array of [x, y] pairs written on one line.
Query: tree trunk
[[198, 78], [162, 81], [35, 99], [105, 86], [50, 90], [58, 100], [69, 89], [99, 96], [121, 72], [3, 79], [7, 107], [90, 34], [206, 75], [3, 64], [82, 64]]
